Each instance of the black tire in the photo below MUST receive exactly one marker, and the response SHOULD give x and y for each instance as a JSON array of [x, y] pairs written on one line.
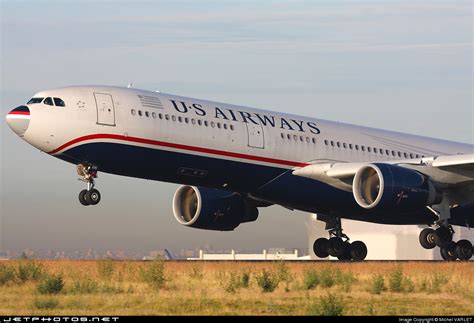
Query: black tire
[[449, 252], [336, 247], [358, 251], [82, 198], [92, 197], [346, 256], [320, 247], [427, 238], [464, 249], [443, 236]]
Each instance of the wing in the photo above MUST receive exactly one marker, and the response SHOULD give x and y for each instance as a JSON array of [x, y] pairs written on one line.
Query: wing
[[450, 174]]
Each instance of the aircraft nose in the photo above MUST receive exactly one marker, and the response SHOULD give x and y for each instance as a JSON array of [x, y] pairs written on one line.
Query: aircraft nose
[[19, 119]]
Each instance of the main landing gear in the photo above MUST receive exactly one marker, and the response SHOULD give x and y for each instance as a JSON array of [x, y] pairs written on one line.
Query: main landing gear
[[89, 196], [442, 237], [338, 244]]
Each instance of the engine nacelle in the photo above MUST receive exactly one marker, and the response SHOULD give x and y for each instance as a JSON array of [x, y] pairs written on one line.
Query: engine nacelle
[[211, 209], [390, 186]]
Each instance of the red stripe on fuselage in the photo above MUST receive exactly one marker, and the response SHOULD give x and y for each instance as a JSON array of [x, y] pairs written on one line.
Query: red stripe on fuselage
[[179, 146], [19, 112]]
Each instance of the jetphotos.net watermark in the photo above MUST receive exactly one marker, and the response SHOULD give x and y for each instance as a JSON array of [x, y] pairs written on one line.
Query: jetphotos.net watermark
[[39, 319]]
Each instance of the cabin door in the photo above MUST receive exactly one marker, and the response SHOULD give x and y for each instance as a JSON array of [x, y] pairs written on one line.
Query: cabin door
[[105, 109], [255, 134]]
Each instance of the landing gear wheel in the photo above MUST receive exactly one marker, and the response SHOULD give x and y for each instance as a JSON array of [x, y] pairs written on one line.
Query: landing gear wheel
[[464, 249], [92, 197], [82, 197], [346, 256], [443, 236], [320, 247], [427, 238], [336, 247], [358, 250], [449, 251]]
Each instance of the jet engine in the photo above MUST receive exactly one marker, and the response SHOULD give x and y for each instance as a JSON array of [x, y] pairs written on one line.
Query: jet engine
[[391, 186], [211, 209]]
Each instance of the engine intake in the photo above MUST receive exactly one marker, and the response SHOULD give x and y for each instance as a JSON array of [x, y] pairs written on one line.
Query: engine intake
[[211, 209], [391, 186]]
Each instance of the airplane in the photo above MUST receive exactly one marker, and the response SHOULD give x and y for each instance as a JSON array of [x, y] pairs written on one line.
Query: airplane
[[232, 160]]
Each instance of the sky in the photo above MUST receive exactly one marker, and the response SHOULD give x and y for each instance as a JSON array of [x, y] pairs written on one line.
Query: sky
[[398, 65]]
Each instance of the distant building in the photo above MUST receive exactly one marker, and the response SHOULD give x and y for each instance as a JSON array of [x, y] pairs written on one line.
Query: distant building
[[4, 255], [250, 257]]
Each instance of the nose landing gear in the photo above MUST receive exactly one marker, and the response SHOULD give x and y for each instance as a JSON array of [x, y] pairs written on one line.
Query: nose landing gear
[[89, 196]]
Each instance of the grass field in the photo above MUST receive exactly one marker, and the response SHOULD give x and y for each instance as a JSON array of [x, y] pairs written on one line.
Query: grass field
[[235, 288]]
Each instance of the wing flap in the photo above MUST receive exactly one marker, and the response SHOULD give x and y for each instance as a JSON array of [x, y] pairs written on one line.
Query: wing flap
[[456, 160]]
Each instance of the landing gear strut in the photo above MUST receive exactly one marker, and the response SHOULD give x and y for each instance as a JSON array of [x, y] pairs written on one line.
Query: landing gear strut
[[338, 244], [89, 196]]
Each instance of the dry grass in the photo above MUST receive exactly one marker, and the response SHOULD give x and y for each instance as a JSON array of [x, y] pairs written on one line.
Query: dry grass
[[191, 288]]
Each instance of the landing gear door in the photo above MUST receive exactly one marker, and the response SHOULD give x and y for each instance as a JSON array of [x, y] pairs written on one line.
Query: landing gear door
[[105, 109], [256, 137]]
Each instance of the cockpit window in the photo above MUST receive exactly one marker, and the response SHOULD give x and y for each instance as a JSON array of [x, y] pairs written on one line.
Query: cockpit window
[[35, 100], [58, 102], [48, 101]]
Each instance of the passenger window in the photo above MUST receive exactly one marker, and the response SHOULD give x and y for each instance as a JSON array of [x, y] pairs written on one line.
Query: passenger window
[[369, 149], [193, 121], [362, 148], [180, 119], [200, 122], [167, 117], [212, 124], [147, 114], [219, 125], [326, 142], [225, 126], [387, 152], [399, 154], [153, 115], [332, 143], [308, 140], [357, 147], [48, 101], [173, 118], [350, 146], [206, 123], [314, 140], [288, 136], [231, 127], [344, 145], [160, 116], [301, 138], [140, 113], [338, 144], [186, 120], [58, 102], [133, 112], [282, 135]]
